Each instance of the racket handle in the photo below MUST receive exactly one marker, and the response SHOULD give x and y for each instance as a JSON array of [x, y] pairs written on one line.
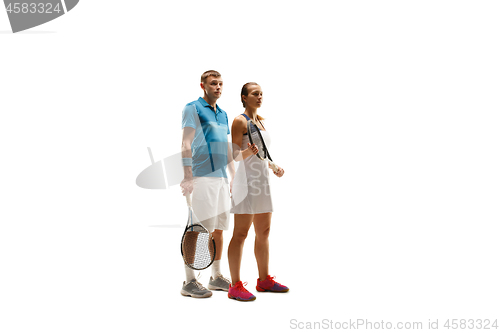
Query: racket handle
[[188, 199], [273, 166]]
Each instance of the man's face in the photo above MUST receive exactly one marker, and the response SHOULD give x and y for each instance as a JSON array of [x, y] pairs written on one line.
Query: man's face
[[212, 87]]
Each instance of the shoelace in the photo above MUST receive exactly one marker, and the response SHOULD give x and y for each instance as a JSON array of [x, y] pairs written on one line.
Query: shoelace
[[272, 279], [199, 285], [222, 278], [240, 286]]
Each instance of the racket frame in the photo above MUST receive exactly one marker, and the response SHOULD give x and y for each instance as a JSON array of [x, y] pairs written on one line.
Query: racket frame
[[191, 225], [265, 153]]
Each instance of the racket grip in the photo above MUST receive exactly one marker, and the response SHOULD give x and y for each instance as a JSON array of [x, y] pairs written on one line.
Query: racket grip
[[188, 199], [273, 166]]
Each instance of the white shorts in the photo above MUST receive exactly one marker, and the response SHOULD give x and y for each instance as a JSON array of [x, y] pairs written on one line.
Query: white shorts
[[211, 203]]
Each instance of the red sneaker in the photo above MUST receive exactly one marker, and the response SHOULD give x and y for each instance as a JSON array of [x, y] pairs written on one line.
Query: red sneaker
[[270, 285], [238, 292]]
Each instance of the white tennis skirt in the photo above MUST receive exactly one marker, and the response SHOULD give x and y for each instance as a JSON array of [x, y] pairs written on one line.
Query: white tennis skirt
[[251, 193]]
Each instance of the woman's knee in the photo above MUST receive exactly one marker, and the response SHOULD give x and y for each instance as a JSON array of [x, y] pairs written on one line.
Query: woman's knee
[[240, 235], [262, 233]]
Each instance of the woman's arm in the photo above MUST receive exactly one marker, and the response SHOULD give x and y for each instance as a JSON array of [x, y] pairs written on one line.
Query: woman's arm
[[237, 129]]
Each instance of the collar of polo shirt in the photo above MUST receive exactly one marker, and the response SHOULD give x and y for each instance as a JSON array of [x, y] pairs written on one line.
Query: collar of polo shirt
[[205, 104]]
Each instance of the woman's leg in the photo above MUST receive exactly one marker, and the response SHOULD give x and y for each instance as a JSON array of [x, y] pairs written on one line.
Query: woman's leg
[[242, 223], [262, 226]]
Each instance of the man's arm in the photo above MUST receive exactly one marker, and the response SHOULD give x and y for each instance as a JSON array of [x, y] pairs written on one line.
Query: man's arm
[[186, 153]]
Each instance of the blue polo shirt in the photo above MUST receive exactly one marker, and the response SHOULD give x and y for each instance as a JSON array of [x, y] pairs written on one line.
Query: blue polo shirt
[[209, 147]]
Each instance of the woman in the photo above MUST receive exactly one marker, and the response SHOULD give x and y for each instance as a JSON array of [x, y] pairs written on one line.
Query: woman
[[251, 199]]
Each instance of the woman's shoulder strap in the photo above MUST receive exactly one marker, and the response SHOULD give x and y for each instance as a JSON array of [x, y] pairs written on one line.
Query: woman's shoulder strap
[[248, 118]]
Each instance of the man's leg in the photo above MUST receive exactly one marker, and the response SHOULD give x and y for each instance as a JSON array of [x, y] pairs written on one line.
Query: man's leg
[[218, 238], [191, 287], [217, 280]]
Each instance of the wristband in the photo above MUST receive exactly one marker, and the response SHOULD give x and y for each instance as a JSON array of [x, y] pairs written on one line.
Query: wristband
[[187, 162]]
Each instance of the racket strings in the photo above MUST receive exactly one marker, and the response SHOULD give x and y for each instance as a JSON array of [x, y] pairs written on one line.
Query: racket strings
[[256, 138], [198, 247]]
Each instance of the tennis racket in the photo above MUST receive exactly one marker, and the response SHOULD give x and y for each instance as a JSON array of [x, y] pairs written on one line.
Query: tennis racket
[[255, 137], [197, 244]]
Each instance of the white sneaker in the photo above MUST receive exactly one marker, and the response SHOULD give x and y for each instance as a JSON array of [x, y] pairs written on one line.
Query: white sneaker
[[195, 289], [219, 283]]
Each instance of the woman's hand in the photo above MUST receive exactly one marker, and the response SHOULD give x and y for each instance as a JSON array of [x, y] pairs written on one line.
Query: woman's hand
[[253, 148], [280, 172]]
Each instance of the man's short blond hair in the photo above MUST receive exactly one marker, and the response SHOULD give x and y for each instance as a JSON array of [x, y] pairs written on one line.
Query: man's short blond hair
[[205, 75]]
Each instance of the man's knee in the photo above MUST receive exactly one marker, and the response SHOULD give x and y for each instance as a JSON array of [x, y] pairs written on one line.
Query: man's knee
[[217, 234]]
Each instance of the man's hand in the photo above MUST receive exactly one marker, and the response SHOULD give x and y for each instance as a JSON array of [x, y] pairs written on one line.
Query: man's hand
[[187, 186]]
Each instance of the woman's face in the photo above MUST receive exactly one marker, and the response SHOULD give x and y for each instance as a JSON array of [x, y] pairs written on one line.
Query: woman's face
[[254, 98]]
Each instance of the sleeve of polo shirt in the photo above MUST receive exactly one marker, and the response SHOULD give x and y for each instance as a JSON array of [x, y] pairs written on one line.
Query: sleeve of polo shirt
[[189, 115], [227, 124]]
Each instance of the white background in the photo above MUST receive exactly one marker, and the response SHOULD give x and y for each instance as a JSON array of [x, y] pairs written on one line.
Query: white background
[[384, 115]]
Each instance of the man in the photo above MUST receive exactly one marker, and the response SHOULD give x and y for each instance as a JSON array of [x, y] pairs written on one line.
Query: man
[[205, 156]]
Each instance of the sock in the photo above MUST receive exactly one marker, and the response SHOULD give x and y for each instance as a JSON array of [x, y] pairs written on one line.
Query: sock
[[215, 268], [189, 274]]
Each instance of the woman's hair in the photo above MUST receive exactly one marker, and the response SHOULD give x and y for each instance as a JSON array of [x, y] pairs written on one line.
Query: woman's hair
[[209, 73], [244, 92]]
